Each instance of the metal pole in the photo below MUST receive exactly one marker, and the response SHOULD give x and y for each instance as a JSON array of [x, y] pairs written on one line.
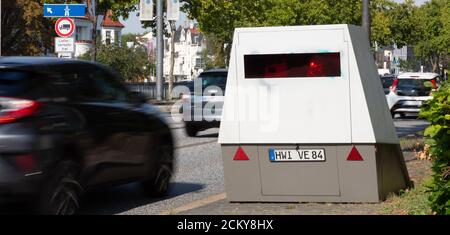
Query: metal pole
[[366, 16], [0, 27], [94, 31], [160, 50]]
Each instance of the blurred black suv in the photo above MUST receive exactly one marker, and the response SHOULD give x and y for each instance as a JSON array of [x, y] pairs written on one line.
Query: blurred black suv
[[202, 108], [68, 126]]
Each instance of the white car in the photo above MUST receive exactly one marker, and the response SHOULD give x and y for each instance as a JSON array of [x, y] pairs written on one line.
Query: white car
[[409, 91]]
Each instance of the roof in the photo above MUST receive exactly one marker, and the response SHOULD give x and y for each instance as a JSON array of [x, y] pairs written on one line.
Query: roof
[[418, 75], [194, 32], [108, 21]]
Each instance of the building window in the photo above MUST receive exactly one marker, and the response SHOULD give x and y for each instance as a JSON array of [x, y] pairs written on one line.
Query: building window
[[116, 37], [78, 32], [108, 37]]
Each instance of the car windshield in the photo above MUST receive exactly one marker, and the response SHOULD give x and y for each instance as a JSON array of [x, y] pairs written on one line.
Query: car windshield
[[212, 79], [13, 82], [208, 79], [412, 86]]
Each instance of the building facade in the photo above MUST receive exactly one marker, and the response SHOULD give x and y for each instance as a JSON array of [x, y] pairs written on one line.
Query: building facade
[[108, 30], [189, 44]]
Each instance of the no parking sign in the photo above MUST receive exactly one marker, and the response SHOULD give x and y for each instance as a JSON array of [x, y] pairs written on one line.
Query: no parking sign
[[64, 27]]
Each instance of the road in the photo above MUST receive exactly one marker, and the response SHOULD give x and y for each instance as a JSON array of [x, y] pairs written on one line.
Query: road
[[198, 177]]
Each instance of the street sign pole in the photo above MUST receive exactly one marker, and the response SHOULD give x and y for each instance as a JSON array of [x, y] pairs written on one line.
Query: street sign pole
[[160, 50], [94, 32], [366, 16], [0, 27]]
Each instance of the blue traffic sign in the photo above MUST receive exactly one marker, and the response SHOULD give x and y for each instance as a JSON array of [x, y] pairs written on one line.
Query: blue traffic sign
[[64, 10]]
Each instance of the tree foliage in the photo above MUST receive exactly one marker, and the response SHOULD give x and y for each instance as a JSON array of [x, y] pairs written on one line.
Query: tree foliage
[[433, 41], [132, 63], [24, 29], [391, 22], [437, 112]]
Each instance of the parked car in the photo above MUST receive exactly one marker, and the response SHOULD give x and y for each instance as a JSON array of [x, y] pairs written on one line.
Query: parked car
[[69, 126], [409, 91], [387, 82], [202, 109]]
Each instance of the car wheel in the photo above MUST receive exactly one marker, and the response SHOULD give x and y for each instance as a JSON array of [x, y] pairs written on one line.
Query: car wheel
[[62, 191], [191, 131], [158, 186]]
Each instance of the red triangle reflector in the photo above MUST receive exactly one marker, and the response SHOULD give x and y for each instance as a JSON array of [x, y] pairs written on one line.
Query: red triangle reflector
[[354, 155], [240, 155]]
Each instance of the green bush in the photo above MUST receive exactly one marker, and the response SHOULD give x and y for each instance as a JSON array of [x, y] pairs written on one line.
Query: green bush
[[131, 63], [437, 112]]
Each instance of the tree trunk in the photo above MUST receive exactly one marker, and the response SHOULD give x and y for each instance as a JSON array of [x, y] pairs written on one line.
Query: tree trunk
[[94, 41], [172, 57], [434, 63], [94, 31]]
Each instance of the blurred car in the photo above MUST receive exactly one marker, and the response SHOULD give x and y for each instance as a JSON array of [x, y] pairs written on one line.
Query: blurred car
[[387, 82], [202, 109], [69, 126], [409, 91]]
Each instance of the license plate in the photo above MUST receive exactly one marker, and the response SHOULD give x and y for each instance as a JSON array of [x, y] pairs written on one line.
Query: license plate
[[413, 103], [300, 155]]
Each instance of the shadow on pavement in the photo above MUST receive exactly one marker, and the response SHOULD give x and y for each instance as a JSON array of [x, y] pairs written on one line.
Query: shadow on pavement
[[212, 135], [110, 200], [123, 198]]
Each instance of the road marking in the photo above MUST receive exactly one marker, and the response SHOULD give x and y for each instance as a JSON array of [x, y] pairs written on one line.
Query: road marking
[[195, 204]]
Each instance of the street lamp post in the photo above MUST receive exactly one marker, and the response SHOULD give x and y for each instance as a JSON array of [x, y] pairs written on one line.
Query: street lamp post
[[366, 16], [0, 27], [160, 50]]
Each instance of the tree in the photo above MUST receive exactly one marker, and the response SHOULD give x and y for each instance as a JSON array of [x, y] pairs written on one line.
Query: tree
[[132, 63], [130, 37], [24, 29], [403, 23], [119, 8], [172, 56], [220, 18], [433, 42]]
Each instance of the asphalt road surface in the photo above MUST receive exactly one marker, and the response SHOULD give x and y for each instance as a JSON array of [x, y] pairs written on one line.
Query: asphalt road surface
[[198, 178]]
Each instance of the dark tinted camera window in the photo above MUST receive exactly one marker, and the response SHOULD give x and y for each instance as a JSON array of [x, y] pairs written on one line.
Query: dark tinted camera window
[[14, 82], [293, 65]]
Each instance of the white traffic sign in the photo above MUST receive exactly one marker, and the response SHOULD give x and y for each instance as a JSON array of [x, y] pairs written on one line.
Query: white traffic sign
[[64, 45], [64, 27]]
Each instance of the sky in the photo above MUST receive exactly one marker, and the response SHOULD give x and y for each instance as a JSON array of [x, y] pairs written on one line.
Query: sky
[[133, 25]]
